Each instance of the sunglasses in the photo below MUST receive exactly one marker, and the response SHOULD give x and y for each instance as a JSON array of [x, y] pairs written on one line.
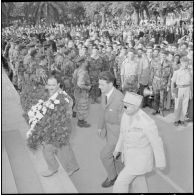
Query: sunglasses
[[125, 107]]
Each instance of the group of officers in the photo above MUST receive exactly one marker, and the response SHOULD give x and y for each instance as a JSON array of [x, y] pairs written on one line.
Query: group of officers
[[138, 66]]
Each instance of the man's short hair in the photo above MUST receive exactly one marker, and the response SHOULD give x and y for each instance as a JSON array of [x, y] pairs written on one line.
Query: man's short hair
[[107, 76]]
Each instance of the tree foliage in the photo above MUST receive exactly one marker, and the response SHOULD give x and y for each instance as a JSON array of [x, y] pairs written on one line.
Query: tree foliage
[[58, 11]]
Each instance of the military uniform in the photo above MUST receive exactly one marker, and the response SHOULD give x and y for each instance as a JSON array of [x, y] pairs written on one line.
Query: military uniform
[[81, 83], [129, 71], [160, 80], [68, 68], [117, 70], [110, 61], [95, 67]]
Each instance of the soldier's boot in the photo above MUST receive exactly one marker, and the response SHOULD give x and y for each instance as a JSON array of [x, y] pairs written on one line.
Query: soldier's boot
[[82, 123], [74, 114], [156, 112], [162, 112]]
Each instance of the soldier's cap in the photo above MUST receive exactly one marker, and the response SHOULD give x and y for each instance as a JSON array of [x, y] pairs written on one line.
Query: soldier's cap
[[24, 34], [184, 59], [149, 47], [183, 53], [191, 44], [157, 47], [165, 43], [131, 50], [175, 45], [33, 52], [177, 54], [95, 47], [16, 41], [31, 44], [140, 48], [132, 43], [80, 59], [171, 52], [124, 47], [191, 47], [164, 52], [41, 55], [133, 98], [21, 46], [46, 44], [60, 45], [101, 46], [152, 40], [38, 45], [85, 47]]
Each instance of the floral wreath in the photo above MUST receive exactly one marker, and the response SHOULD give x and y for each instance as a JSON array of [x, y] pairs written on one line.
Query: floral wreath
[[50, 121]]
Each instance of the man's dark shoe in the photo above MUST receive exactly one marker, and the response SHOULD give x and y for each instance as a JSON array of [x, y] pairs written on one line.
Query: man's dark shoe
[[74, 114], [162, 113], [176, 123], [82, 123], [156, 112], [183, 123], [108, 183]]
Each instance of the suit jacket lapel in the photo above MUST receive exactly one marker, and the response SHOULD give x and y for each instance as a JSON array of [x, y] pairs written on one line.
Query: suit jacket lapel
[[110, 98]]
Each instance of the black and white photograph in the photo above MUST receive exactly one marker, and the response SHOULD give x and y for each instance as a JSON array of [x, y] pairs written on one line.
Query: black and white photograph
[[97, 97]]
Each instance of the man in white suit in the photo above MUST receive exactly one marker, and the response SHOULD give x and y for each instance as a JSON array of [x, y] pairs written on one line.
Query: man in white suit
[[138, 142]]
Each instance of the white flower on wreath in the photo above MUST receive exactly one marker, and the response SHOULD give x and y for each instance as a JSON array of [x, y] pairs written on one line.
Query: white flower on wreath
[[63, 92], [44, 110], [29, 133], [31, 120], [40, 101], [67, 100], [39, 116], [51, 106], [56, 101], [39, 107], [33, 108], [47, 103], [31, 114]]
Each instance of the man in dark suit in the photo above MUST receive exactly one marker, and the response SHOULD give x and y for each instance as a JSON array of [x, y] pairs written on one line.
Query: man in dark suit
[[109, 125]]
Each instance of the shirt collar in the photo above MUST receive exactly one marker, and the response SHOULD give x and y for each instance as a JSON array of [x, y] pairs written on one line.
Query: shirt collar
[[109, 93]]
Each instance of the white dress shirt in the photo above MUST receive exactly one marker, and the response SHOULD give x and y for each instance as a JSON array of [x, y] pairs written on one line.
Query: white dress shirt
[[109, 93]]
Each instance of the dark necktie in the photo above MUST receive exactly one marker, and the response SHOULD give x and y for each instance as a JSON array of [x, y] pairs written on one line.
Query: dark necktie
[[106, 99]]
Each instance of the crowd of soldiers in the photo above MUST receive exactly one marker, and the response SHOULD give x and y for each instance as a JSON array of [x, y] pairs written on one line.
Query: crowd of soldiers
[[140, 58]]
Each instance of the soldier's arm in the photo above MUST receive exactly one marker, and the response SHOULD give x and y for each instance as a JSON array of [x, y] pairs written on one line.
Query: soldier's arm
[[70, 104], [173, 81], [151, 74], [169, 78], [82, 81]]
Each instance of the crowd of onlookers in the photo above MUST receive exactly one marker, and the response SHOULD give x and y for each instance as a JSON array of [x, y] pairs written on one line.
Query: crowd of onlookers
[[152, 60]]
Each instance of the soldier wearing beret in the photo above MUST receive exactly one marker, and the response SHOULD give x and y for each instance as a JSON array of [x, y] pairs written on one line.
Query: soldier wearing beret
[[95, 67], [81, 82], [117, 66], [160, 81]]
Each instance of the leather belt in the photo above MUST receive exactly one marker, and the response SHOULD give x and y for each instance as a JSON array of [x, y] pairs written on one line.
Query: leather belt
[[182, 86]]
